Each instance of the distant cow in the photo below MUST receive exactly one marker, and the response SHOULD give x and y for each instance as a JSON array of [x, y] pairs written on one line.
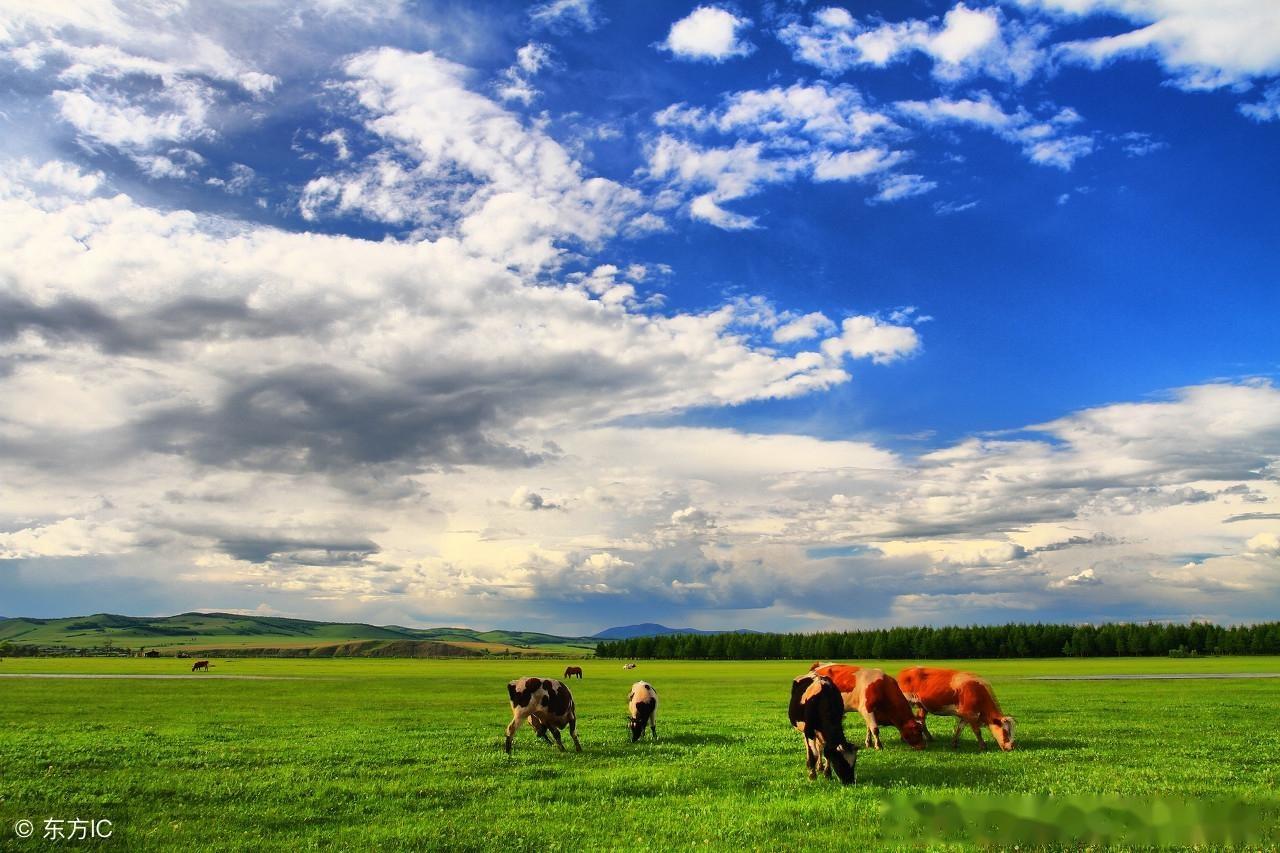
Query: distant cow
[[547, 704], [877, 697], [571, 671], [152, 654], [628, 666], [200, 664], [642, 710], [962, 695], [817, 711]]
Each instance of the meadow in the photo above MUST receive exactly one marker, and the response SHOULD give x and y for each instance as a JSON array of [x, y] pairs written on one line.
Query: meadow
[[406, 754]]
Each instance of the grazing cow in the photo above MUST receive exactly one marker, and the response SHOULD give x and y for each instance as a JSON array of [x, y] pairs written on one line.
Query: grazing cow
[[877, 697], [547, 704], [817, 711], [628, 666], [200, 664], [571, 671], [963, 695], [642, 709]]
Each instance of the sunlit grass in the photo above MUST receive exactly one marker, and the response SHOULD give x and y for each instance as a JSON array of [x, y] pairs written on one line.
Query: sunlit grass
[[398, 754]]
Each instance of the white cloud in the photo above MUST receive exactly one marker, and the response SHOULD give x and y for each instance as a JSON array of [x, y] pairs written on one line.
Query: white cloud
[[822, 132], [898, 187], [1044, 141], [556, 14], [516, 83], [965, 43], [1264, 544], [708, 33], [1267, 109], [1085, 577], [460, 163], [1202, 45], [870, 337], [802, 328]]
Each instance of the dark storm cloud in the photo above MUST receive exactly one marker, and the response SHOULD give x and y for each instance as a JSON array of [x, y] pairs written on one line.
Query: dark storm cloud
[[1252, 516], [321, 419], [190, 318], [1077, 541], [301, 551]]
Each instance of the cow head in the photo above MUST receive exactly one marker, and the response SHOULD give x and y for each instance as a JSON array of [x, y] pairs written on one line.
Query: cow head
[[1002, 728], [913, 733], [846, 766], [636, 727]]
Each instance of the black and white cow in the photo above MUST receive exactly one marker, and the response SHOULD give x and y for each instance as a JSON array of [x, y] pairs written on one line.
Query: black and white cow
[[548, 706], [642, 708], [817, 711]]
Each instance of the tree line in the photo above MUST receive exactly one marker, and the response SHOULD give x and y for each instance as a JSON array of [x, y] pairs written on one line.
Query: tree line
[[972, 641]]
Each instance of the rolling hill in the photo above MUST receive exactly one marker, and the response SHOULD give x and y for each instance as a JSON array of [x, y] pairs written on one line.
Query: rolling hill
[[275, 634], [653, 629]]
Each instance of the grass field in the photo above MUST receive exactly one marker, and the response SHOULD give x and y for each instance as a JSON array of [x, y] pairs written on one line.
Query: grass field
[[391, 754]]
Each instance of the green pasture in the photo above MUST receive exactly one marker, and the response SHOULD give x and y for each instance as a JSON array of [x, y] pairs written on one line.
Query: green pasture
[[396, 754]]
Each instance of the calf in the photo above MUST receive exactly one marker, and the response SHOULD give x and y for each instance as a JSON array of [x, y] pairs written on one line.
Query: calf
[[877, 697], [548, 706], [642, 708], [817, 711], [962, 695]]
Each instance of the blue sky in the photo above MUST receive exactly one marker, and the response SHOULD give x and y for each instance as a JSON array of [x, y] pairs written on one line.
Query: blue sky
[[569, 314]]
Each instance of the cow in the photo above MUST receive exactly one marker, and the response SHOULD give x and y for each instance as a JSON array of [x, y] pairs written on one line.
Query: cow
[[571, 671], [548, 706], [642, 710], [963, 695], [628, 666], [878, 699], [200, 664], [817, 711]]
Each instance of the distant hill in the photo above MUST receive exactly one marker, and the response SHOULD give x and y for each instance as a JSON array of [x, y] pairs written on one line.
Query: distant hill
[[274, 634], [653, 629]]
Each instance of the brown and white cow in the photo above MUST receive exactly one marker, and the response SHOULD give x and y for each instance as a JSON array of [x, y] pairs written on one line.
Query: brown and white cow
[[817, 711], [963, 695], [548, 706], [877, 698], [642, 709]]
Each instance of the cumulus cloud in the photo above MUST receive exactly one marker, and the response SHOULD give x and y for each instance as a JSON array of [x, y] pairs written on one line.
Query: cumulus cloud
[[1083, 578], [964, 43], [1045, 141], [516, 82], [708, 33], [459, 163], [1202, 45], [820, 131]]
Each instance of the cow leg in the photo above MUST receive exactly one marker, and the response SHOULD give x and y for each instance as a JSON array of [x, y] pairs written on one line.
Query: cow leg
[[653, 726], [517, 717], [573, 733], [811, 758], [873, 730], [555, 732], [921, 715], [955, 740], [977, 732]]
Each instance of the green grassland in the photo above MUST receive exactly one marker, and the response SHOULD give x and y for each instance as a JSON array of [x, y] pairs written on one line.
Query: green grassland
[[195, 631], [402, 754]]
